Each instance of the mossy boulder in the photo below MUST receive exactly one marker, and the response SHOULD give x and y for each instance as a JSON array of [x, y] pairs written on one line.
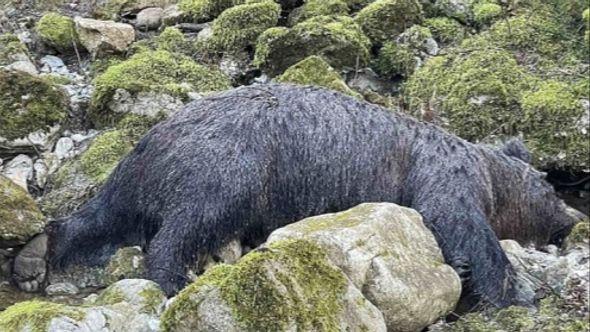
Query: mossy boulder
[[20, 218], [239, 26], [313, 8], [158, 71], [579, 234], [398, 269], [289, 284], [338, 39], [484, 93], [35, 316], [395, 59], [206, 10], [57, 31], [316, 71], [385, 19], [28, 103], [445, 29]]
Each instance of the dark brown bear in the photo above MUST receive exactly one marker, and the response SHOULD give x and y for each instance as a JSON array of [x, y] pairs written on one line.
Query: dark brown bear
[[248, 161]]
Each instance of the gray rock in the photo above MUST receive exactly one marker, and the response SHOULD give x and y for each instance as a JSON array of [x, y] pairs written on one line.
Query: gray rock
[[103, 37], [205, 34], [151, 104], [41, 172], [30, 267], [19, 170], [149, 18], [63, 288], [54, 65], [63, 147], [367, 80], [172, 15]]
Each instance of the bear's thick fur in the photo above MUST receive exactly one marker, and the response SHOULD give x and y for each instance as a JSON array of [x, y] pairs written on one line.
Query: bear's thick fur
[[245, 162]]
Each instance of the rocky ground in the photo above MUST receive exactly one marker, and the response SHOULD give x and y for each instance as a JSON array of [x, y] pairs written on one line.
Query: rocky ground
[[82, 81]]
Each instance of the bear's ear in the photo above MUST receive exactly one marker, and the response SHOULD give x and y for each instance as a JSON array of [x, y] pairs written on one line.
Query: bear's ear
[[514, 147]]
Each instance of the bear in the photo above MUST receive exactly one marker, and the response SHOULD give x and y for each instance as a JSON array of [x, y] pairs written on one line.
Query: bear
[[242, 163]]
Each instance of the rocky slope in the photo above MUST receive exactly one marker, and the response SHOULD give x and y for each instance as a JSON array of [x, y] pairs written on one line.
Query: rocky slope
[[82, 81]]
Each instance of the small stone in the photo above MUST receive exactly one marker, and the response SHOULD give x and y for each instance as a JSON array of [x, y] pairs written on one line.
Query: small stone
[[54, 65], [63, 288], [41, 171], [63, 147], [149, 18], [19, 170], [104, 37], [172, 15]]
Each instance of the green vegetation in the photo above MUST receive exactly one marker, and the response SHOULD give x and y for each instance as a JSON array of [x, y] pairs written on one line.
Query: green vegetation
[[313, 8], [206, 10], [395, 60], [338, 39], [159, 71], [382, 20], [104, 154], [57, 31], [315, 71], [485, 13], [35, 316], [28, 104], [253, 288], [10, 46], [445, 30], [239, 26], [580, 233]]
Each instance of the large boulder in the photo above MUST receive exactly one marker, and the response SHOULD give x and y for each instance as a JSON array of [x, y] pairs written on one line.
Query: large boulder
[[20, 218], [374, 267], [104, 37]]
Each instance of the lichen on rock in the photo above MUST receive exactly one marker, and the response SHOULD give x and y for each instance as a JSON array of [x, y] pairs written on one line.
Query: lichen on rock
[[206, 10], [316, 71]]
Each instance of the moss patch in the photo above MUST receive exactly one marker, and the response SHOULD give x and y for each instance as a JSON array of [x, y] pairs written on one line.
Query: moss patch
[[239, 26], [313, 8], [580, 233], [288, 282], [316, 71], [339, 40], [20, 218], [104, 154], [206, 10], [384, 19], [28, 103], [35, 315], [10, 46], [159, 71], [57, 31], [445, 29]]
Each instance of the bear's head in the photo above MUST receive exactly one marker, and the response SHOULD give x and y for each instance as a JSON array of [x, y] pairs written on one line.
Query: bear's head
[[545, 217]]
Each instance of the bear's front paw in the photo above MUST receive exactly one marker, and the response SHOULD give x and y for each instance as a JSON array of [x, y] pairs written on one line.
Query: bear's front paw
[[30, 267]]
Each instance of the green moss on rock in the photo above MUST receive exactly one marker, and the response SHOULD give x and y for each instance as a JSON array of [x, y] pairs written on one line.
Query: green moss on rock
[[57, 31], [313, 8], [126, 263], [580, 233], [35, 316], [445, 29], [20, 218], [315, 71], [239, 26], [104, 154], [10, 46], [384, 19], [159, 71], [486, 13], [395, 60], [206, 10], [339, 40], [290, 282], [28, 104]]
